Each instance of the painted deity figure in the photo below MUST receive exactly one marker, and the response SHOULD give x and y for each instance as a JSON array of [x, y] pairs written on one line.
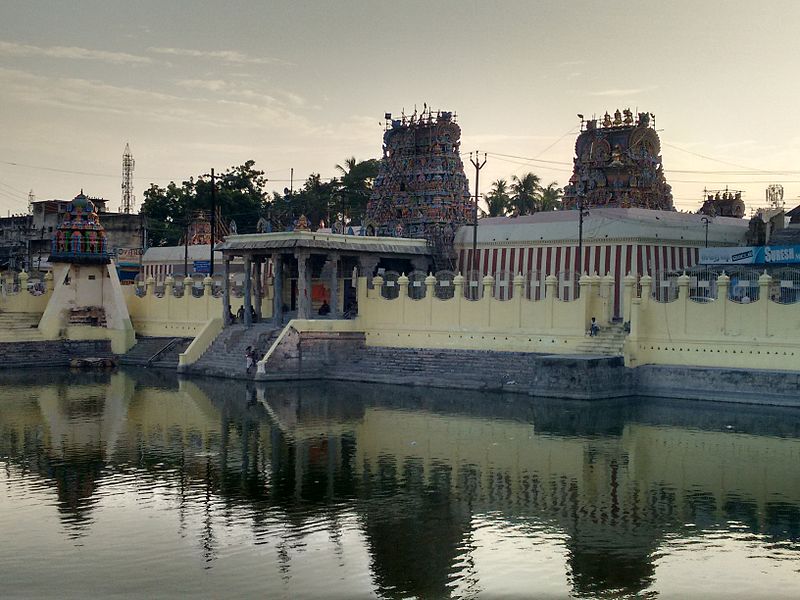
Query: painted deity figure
[[76, 245], [91, 242]]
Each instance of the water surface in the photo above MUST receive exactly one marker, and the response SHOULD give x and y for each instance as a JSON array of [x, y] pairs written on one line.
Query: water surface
[[139, 484]]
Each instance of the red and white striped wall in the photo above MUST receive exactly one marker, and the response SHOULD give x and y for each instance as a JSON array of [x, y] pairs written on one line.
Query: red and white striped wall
[[616, 259]]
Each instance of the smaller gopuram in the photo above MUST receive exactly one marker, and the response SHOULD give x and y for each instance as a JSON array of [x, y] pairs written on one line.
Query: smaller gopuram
[[722, 203], [421, 190], [87, 301], [618, 164]]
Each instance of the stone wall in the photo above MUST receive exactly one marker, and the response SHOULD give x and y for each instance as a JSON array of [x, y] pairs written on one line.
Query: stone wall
[[55, 353]]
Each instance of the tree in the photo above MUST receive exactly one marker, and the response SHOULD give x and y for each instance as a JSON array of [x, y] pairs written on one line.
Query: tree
[[525, 190], [498, 199], [240, 197], [355, 185], [550, 197]]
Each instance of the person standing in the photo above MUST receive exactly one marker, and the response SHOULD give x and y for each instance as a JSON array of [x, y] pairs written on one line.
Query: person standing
[[249, 357]]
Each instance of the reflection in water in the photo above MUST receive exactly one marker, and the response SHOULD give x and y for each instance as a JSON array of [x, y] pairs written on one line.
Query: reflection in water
[[357, 490]]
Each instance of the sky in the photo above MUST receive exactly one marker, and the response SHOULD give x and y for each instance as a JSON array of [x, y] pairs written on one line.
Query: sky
[[192, 85]]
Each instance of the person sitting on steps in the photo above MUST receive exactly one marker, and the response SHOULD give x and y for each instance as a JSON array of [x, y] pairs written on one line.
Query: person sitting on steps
[[594, 328]]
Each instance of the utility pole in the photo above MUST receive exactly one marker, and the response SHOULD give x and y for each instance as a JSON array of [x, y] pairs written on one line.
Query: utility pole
[[213, 221], [581, 214], [706, 221], [478, 166]]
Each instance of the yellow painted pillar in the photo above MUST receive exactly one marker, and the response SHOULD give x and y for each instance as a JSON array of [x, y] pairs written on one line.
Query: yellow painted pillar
[[606, 292], [683, 298], [402, 296], [430, 284], [723, 283], [488, 287], [519, 293], [458, 295], [627, 297], [764, 301], [169, 286], [550, 285]]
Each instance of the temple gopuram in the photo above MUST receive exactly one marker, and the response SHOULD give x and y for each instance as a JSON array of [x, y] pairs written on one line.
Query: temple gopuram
[[722, 203], [421, 190], [618, 164], [80, 238]]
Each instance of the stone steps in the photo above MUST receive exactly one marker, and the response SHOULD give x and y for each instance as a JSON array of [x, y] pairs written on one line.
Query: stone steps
[[147, 347], [609, 341], [19, 327], [226, 355]]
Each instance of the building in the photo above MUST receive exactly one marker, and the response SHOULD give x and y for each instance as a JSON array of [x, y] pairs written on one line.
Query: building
[[25, 239], [616, 241], [618, 164], [421, 190]]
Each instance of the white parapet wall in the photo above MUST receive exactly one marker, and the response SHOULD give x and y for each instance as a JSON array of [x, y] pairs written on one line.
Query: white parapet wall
[[164, 313], [549, 325], [716, 332]]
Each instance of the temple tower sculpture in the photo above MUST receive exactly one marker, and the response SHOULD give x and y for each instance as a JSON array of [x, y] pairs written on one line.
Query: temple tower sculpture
[[618, 164], [421, 190], [87, 301]]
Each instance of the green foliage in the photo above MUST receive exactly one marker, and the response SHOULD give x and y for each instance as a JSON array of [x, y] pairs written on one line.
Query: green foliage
[[525, 194], [498, 199], [550, 197], [322, 201], [240, 198]]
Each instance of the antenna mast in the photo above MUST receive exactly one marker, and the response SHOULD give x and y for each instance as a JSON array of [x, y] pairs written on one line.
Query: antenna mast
[[127, 181]]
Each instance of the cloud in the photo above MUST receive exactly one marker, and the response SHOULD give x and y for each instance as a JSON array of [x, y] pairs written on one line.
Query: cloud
[[211, 85], [89, 96], [71, 53], [231, 56], [622, 92]]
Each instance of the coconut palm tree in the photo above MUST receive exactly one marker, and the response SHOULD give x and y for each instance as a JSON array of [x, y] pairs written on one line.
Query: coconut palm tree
[[525, 190], [550, 197], [498, 199]]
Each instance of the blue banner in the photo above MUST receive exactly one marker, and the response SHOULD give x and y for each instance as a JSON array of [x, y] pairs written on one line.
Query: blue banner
[[750, 255]]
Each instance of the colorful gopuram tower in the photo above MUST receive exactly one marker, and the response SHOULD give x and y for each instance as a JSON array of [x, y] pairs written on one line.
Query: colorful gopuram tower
[[80, 238], [421, 190], [618, 164], [87, 301]]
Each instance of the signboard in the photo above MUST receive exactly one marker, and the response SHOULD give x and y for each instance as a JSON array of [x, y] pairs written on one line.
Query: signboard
[[750, 255], [128, 254], [202, 266]]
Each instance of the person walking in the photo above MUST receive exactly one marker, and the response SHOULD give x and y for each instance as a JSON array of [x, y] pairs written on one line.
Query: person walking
[[249, 357]]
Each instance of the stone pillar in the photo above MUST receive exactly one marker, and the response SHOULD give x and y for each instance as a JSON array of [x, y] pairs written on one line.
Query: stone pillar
[[248, 290], [334, 285], [150, 286], [48, 281], [420, 263], [259, 288], [277, 289], [488, 289], [303, 287], [226, 291], [366, 266]]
